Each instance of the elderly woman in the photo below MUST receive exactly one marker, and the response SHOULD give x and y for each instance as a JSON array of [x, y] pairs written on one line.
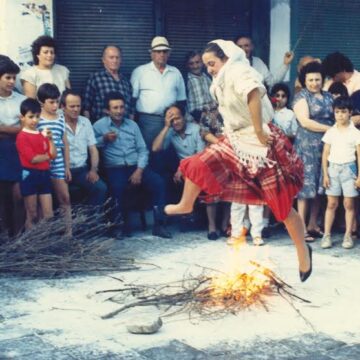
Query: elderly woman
[[44, 70], [302, 62], [313, 110], [254, 163]]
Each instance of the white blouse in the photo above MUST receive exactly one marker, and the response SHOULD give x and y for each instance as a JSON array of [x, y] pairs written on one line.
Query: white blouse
[[57, 75], [232, 96], [231, 93]]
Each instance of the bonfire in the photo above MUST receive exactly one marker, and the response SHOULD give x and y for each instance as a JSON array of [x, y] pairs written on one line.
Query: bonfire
[[212, 294]]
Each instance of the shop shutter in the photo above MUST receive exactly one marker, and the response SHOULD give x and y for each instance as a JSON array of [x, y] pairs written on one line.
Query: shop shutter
[[190, 25], [82, 28], [320, 27]]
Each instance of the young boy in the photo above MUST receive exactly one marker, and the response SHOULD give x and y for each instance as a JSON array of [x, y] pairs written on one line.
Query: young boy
[[35, 151], [48, 96], [340, 173]]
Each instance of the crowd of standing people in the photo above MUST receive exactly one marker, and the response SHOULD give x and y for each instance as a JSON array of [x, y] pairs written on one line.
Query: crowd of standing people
[[228, 122]]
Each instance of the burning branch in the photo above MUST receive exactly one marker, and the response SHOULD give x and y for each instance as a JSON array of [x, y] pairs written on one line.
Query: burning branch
[[209, 295]]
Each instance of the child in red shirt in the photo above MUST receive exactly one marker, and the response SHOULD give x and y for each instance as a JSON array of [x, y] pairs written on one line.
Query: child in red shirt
[[35, 152]]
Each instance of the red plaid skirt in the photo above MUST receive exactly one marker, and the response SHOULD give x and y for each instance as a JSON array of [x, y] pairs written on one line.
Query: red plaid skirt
[[219, 173]]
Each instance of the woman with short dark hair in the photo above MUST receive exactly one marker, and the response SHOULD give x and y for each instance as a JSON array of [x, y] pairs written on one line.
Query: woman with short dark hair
[[44, 69], [313, 110]]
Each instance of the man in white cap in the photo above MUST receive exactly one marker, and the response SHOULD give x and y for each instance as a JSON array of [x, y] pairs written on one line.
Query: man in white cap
[[156, 86]]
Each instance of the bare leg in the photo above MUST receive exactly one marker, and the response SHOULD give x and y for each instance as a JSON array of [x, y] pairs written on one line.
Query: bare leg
[[349, 214], [331, 207], [46, 206], [314, 212], [295, 227], [302, 205], [4, 208], [225, 221], [356, 209], [185, 206], [18, 210], [62, 194], [211, 215], [31, 210]]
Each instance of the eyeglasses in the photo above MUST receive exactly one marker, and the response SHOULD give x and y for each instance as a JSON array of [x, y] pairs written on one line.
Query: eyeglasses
[[161, 51]]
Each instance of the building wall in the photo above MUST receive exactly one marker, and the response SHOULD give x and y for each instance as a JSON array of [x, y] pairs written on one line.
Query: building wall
[[131, 24], [320, 27], [279, 33], [21, 22], [82, 28]]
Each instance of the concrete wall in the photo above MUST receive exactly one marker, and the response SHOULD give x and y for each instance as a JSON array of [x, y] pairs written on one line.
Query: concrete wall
[[21, 22]]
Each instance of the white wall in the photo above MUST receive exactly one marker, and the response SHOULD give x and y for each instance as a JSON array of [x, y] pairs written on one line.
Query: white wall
[[21, 22], [279, 33], [2, 27]]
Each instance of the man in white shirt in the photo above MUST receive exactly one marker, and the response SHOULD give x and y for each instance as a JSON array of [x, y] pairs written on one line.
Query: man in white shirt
[[81, 138], [156, 85], [245, 43]]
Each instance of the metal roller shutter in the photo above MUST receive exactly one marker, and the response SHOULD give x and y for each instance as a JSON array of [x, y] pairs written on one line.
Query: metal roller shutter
[[190, 24], [83, 27], [320, 27]]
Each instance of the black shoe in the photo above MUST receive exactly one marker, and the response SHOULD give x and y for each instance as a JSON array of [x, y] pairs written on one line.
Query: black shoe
[[187, 223], [126, 230], [161, 231], [266, 232], [159, 214], [116, 233], [223, 233], [305, 275], [212, 235], [317, 234]]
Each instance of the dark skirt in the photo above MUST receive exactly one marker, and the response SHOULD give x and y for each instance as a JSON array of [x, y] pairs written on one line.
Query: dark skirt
[[10, 167], [219, 173]]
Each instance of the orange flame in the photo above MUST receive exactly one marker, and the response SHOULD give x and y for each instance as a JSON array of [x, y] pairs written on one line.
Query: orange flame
[[244, 280]]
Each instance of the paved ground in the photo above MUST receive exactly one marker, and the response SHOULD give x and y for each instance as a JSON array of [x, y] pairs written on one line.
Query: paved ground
[[60, 318]]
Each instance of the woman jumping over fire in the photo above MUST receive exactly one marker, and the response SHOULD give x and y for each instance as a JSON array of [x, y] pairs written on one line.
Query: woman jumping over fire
[[254, 163]]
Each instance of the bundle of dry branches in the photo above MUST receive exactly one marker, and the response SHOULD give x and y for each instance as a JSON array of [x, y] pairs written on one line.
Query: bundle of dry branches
[[202, 295], [44, 250]]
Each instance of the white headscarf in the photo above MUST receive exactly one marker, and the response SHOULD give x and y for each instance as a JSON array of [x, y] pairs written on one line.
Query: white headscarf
[[247, 147], [234, 54], [232, 51]]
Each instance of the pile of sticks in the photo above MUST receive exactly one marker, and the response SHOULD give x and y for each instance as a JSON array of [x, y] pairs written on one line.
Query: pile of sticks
[[45, 251]]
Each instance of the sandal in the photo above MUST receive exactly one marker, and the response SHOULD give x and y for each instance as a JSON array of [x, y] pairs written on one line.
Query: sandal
[[315, 233], [308, 237]]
